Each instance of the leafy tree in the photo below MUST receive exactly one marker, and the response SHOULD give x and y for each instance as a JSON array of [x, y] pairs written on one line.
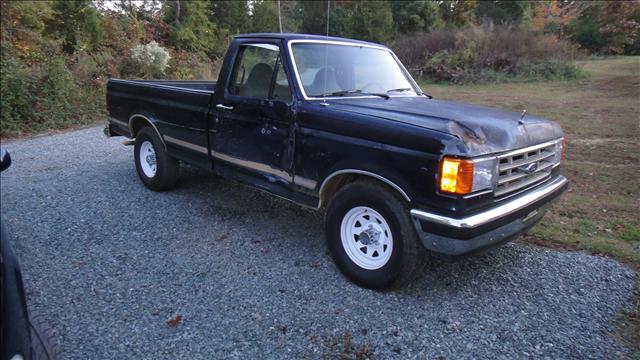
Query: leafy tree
[[134, 9], [77, 23], [341, 17], [314, 17], [585, 30], [414, 16], [341, 22], [230, 15], [190, 27], [502, 11], [621, 27], [265, 16], [554, 15], [373, 21], [291, 11], [458, 13], [22, 26]]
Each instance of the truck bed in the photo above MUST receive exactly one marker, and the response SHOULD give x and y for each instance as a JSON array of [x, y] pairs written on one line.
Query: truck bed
[[201, 85], [177, 109]]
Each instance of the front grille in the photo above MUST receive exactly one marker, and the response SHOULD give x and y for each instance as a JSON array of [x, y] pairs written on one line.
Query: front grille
[[525, 167]]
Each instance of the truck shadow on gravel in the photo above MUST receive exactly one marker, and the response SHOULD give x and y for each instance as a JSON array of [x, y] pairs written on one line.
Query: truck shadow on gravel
[[231, 201], [514, 294]]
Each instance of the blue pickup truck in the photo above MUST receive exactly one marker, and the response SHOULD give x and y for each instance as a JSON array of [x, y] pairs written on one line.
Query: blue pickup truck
[[340, 125]]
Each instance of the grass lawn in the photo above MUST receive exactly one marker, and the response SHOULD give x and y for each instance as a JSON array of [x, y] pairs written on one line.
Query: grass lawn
[[600, 115]]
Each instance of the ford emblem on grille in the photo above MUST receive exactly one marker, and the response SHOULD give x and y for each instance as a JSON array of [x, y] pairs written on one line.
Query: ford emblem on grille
[[529, 168]]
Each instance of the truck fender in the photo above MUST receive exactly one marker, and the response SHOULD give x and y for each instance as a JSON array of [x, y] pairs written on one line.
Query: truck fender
[[327, 180], [139, 117]]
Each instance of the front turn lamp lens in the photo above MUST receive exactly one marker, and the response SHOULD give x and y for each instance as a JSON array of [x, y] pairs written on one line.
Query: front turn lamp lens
[[456, 176]]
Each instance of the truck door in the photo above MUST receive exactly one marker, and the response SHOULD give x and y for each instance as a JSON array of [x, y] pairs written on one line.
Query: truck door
[[253, 121]]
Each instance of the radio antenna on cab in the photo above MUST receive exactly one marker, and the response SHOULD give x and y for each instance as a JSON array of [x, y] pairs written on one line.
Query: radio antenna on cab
[[326, 59]]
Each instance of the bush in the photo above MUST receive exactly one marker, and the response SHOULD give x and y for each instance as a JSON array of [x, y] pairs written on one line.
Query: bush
[[190, 66], [152, 59], [485, 53], [38, 98]]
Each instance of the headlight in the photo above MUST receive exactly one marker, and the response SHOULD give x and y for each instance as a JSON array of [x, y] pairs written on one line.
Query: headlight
[[464, 176], [559, 150]]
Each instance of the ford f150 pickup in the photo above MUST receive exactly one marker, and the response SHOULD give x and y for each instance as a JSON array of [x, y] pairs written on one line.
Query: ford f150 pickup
[[340, 125]]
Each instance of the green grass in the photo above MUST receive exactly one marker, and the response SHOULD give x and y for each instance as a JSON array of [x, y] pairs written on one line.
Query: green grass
[[600, 115]]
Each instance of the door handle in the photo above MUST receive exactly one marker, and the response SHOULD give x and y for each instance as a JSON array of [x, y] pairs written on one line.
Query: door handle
[[224, 108]]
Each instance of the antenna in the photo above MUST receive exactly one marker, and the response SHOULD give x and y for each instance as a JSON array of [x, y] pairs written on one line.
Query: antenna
[[279, 18], [328, 13], [326, 59]]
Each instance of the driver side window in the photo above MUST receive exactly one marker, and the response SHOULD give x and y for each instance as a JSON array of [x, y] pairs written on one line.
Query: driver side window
[[258, 73]]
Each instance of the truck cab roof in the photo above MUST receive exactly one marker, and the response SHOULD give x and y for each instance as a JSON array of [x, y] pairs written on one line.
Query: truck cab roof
[[291, 36]]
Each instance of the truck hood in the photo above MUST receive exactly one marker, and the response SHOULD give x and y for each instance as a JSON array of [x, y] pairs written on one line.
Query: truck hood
[[481, 130]]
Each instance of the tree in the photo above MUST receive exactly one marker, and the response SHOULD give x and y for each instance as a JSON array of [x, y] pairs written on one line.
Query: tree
[[291, 11], [22, 27], [314, 17], [458, 13], [230, 15], [621, 27], [414, 16], [372, 21], [264, 17], [502, 11], [585, 30], [77, 23], [190, 28], [554, 15], [341, 17]]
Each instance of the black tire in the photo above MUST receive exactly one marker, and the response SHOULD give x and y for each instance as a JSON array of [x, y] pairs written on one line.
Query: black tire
[[167, 168], [408, 257], [44, 340]]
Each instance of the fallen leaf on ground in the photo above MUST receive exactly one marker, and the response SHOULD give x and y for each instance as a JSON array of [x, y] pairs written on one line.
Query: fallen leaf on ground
[[175, 321]]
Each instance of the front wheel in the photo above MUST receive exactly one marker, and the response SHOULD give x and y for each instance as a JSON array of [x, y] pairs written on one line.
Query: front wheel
[[157, 170], [371, 238]]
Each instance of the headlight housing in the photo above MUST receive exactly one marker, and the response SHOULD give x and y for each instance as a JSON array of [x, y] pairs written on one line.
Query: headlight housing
[[465, 176], [560, 150]]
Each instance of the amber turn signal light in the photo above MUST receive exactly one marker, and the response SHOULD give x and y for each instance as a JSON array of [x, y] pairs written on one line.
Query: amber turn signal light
[[456, 176]]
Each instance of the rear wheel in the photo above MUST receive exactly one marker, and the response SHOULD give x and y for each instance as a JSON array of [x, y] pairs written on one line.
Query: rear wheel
[[371, 237], [157, 170]]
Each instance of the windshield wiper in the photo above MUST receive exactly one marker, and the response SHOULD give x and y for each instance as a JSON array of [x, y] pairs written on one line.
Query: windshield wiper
[[351, 92], [400, 90], [409, 89]]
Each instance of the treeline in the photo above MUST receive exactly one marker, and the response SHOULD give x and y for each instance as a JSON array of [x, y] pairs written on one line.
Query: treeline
[[57, 55]]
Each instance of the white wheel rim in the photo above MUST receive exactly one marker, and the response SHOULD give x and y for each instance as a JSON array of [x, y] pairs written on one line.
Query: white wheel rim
[[366, 238], [147, 159]]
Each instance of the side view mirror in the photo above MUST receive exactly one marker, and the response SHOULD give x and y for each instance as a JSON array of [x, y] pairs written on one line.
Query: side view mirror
[[5, 159]]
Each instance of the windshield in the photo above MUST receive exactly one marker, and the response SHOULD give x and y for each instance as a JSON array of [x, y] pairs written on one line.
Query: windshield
[[346, 70]]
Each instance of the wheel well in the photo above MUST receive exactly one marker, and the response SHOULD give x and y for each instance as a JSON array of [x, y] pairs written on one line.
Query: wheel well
[[137, 123], [335, 182]]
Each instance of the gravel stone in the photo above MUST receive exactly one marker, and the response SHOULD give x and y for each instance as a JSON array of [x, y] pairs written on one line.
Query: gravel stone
[[109, 262]]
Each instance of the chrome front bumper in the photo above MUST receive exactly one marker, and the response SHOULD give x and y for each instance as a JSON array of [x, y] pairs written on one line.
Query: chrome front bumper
[[458, 236]]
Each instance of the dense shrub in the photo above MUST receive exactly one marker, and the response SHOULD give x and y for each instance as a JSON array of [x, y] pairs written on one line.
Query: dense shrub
[[487, 54], [38, 98], [190, 66], [151, 59]]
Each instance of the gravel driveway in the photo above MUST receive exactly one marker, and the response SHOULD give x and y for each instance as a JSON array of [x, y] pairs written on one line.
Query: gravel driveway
[[109, 262]]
